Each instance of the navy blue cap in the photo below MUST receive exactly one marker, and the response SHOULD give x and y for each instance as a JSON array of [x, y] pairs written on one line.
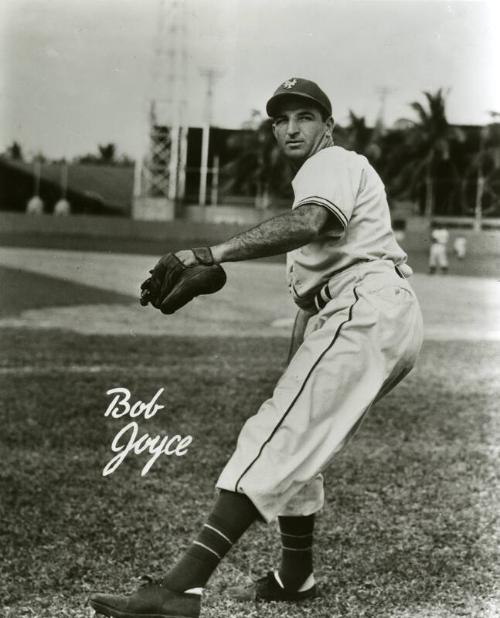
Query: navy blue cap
[[297, 86]]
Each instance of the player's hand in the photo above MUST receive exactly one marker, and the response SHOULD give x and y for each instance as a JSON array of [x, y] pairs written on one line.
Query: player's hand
[[178, 278], [187, 257], [193, 257]]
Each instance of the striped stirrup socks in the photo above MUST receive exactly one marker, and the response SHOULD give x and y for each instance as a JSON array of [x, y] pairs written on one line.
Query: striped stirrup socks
[[296, 550], [232, 514]]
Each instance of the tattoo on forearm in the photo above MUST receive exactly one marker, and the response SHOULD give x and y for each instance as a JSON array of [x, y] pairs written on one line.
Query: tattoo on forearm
[[278, 235]]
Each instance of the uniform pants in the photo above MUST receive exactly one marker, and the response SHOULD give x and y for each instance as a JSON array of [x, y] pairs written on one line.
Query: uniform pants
[[356, 349], [437, 256]]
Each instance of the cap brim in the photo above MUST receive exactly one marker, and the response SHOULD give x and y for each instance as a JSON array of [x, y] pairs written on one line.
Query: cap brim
[[274, 101]]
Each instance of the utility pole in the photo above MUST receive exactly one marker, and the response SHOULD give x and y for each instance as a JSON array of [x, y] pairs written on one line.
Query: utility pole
[[478, 206], [383, 92], [211, 75], [35, 204], [62, 206]]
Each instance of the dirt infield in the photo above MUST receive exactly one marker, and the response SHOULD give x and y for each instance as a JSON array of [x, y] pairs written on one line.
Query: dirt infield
[[255, 301]]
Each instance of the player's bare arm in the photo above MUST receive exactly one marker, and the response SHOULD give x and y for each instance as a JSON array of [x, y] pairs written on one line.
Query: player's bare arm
[[178, 278], [277, 235]]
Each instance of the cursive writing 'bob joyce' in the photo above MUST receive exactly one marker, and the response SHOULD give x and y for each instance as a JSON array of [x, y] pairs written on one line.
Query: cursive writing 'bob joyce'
[[128, 440]]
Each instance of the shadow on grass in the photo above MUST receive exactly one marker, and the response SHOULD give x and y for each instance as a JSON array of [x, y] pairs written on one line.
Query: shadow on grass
[[23, 290]]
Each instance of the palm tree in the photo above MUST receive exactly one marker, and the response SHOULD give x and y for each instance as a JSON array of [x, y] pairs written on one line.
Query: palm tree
[[358, 134], [427, 144], [361, 138], [15, 151], [107, 152]]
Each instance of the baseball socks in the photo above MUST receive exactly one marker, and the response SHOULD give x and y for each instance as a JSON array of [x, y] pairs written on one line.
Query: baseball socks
[[296, 570], [231, 516]]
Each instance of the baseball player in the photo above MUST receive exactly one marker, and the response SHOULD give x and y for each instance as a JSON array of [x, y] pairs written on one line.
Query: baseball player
[[460, 247], [362, 331], [438, 257]]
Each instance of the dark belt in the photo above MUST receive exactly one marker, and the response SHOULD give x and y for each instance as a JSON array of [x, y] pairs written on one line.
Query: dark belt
[[323, 297]]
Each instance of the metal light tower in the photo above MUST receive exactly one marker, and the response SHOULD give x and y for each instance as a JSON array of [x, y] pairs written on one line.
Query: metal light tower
[[160, 170]]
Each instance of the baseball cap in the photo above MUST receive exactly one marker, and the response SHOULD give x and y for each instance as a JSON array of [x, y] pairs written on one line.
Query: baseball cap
[[297, 86]]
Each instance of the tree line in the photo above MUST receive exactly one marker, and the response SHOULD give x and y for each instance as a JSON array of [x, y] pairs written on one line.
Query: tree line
[[444, 169], [106, 155]]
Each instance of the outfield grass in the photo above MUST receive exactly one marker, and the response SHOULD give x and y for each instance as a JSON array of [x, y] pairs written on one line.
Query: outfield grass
[[408, 530]]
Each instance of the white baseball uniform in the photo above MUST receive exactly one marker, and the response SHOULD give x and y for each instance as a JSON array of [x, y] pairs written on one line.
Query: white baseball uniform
[[437, 256], [363, 340], [460, 246]]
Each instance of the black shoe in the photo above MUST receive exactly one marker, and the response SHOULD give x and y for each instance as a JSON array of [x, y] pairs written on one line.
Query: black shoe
[[151, 600], [267, 589]]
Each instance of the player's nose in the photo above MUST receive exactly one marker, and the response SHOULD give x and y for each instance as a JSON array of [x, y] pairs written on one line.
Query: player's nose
[[292, 127]]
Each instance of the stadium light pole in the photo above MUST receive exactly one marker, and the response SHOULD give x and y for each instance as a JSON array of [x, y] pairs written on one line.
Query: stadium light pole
[[478, 206], [37, 172]]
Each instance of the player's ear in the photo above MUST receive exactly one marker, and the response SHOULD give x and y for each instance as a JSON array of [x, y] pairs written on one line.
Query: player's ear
[[330, 124], [273, 126]]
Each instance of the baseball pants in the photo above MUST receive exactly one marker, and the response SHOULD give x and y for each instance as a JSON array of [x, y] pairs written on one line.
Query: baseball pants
[[355, 350], [438, 257]]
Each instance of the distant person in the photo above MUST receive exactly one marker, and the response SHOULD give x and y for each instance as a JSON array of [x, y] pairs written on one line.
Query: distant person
[[438, 257], [62, 208], [34, 206], [399, 235], [460, 247]]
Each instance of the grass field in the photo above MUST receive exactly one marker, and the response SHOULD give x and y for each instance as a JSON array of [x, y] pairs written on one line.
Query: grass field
[[410, 527], [410, 522]]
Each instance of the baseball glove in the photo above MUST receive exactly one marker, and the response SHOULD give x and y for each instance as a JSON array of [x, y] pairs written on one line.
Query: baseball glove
[[172, 284]]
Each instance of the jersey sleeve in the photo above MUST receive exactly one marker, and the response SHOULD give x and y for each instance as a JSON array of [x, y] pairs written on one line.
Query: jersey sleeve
[[328, 181]]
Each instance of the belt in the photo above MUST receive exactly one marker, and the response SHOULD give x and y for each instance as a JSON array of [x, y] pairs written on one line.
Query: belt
[[324, 296]]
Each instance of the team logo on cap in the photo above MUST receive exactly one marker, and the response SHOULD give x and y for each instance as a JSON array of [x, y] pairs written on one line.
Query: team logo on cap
[[290, 83]]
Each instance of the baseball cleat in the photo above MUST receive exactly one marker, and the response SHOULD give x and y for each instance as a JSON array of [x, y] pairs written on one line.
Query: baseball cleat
[[267, 588], [151, 600]]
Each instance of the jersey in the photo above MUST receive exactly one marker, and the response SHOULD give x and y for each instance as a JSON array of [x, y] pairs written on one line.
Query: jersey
[[440, 236], [360, 229], [460, 246]]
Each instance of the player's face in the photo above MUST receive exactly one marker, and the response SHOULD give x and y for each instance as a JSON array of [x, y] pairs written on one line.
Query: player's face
[[300, 130]]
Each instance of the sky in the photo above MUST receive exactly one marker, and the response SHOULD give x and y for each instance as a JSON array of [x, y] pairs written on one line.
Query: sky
[[78, 73]]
